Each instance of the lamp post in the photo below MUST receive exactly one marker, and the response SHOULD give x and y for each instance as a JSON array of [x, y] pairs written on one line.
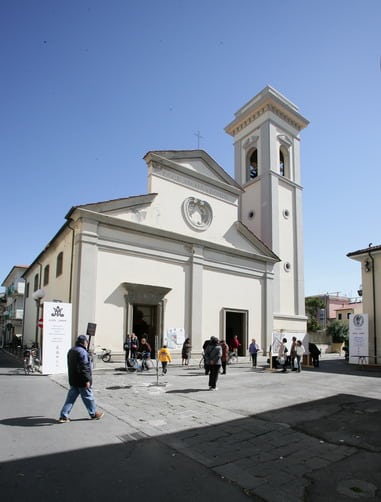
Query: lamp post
[[37, 297]]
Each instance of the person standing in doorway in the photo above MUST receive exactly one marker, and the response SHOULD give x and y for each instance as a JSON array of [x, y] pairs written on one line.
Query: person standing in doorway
[[127, 346], [145, 348], [213, 353], [235, 345], [80, 381], [253, 350], [134, 345]]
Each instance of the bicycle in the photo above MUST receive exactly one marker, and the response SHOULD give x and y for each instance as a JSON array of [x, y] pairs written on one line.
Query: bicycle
[[139, 362], [233, 358], [105, 355], [201, 364], [31, 361]]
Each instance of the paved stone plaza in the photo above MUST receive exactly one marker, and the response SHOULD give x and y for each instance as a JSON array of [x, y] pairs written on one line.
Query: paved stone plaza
[[264, 435], [279, 436]]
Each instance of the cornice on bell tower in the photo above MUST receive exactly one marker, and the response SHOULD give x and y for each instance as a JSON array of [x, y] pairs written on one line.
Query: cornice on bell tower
[[268, 100]]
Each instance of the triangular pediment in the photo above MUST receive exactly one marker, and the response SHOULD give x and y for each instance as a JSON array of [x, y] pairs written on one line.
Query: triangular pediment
[[195, 164]]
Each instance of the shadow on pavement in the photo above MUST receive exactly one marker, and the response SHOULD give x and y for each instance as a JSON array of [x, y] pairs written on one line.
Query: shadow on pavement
[[324, 450], [185, 391], [134, 470], [118, 387], [28, 421], [342, 367]]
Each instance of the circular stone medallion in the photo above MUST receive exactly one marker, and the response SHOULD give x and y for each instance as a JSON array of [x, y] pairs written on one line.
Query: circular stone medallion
[[197, 213]]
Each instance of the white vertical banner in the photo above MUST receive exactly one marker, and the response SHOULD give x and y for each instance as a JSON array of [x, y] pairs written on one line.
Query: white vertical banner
[[174, 338], [358, 339], [56, 340]]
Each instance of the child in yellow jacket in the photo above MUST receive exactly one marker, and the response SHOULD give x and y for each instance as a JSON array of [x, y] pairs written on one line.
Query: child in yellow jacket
[[164, 357]]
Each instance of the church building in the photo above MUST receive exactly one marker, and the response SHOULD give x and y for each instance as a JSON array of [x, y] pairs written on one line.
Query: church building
[[200, 254]]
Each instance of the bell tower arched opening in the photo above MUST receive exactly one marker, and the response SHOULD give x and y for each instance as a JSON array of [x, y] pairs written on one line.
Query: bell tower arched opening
[[252, 165], [284, 162]]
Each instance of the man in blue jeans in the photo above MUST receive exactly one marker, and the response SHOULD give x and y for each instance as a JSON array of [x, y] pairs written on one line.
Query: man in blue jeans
[[80, 380], [213, 354]]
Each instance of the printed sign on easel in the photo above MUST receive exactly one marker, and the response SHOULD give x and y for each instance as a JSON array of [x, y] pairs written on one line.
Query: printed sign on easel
[[358, 339]]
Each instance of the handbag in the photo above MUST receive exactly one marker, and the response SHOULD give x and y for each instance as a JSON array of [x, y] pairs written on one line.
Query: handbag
[[281, 359]]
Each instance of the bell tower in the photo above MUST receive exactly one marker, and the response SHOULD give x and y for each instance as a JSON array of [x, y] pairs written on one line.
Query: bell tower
[[267, 166]]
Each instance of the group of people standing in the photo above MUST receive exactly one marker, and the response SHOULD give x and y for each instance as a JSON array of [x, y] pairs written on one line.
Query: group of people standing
[[133, 345], [216, 356], [296, 355]]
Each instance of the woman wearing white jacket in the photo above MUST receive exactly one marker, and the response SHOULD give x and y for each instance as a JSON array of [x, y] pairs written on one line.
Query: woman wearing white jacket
[[299, 349]]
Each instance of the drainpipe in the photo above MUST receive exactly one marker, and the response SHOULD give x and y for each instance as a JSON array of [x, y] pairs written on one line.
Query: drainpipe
[[38, 306], [71, 260], [374, 308]]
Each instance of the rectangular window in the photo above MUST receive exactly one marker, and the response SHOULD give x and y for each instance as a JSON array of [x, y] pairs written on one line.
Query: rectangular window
[[27, 290], [46, 275], [339, 317], [35, 284], [59, 265]]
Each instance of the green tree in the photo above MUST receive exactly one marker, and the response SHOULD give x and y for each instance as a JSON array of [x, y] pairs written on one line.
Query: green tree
[[338, 331], [313, 305]]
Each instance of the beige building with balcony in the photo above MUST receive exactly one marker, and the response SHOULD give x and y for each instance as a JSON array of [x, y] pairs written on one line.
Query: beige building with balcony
[[13, 306], [343, 313], [200, 253], [370, 260]]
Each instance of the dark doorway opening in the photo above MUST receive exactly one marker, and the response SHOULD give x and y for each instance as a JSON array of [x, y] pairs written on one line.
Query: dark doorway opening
[[236, 324], [145, 324]]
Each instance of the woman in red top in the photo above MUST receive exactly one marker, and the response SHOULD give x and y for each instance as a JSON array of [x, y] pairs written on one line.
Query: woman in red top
[[235, 345]]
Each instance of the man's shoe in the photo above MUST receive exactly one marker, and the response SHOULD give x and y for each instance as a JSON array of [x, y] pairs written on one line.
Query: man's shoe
[[98, 415], [63, 420]]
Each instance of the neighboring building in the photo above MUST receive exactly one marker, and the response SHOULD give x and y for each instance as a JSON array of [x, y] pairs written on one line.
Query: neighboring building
[[13, 306], [330, 304], [200, 254], [370, 259], [343, 313], [3, 320]]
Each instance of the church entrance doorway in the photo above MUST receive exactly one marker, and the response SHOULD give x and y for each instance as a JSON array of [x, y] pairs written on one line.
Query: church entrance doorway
[[145, 312], [235, 323], [145, 324]]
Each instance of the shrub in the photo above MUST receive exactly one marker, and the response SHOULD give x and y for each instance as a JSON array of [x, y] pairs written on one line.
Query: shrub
[[338, 331]]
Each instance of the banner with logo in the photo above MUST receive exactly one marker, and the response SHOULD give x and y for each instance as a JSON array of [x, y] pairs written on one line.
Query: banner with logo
[[56, 337], [358, 339]]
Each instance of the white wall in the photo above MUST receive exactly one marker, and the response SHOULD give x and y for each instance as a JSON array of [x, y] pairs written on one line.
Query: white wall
[[113, 271]]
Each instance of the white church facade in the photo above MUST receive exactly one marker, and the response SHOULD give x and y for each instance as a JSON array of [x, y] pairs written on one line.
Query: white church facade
[[199, 254]]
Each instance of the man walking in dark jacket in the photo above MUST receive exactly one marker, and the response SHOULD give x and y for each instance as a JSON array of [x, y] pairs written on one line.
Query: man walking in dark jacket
[[213, 353], [80, 380]]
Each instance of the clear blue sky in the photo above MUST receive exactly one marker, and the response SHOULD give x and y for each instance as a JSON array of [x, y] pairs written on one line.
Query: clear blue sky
[[87, 87]]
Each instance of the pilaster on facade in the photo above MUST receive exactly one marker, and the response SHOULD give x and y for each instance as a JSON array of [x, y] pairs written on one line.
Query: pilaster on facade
[[196, 292]]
